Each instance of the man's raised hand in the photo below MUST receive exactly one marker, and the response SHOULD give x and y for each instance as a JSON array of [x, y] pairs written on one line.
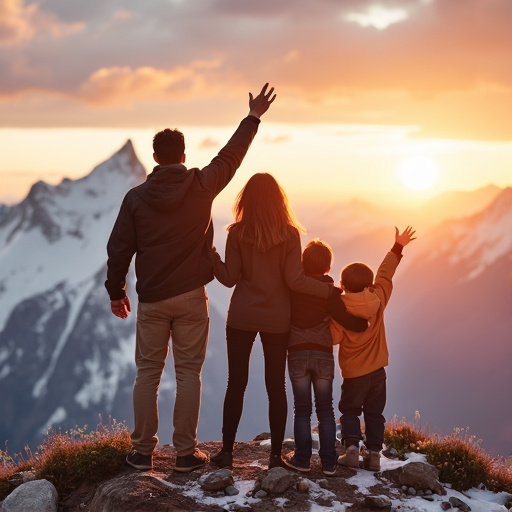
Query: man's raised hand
[[259, 105]]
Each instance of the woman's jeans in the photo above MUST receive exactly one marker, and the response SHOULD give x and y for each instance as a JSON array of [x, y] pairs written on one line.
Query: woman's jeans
[[239, 345], [364, 395], [313, 368]]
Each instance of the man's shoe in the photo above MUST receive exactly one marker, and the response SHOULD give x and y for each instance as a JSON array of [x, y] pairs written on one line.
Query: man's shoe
[[222, 459], [350, 458], [187, 463], [139, 461], [329, 468], [276, 461], [292, 462], [371, 460]]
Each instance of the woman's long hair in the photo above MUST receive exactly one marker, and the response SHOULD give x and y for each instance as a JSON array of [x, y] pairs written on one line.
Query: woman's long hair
[[262, 213]]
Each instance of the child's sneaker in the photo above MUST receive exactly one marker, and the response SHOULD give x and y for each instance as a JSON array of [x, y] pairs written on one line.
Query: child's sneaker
[[294, 463], [329, 468], [350, 458], [371, 460]]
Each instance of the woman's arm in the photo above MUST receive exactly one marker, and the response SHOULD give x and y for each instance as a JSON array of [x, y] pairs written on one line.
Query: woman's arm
[[228, 272]]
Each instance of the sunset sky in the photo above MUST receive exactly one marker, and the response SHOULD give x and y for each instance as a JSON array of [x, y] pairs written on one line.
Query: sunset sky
[[362, 86]]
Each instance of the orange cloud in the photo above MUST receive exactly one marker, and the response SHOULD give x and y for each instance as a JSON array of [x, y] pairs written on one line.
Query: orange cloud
[[22, 23], [209, 143], [122, 85], [15, 21]]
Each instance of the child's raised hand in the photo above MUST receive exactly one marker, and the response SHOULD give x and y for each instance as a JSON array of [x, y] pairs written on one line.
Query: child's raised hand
[[404, 238]]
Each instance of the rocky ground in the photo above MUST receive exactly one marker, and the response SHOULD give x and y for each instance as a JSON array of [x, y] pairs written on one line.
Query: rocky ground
[[400, 486], [136, 491], [164, 490]]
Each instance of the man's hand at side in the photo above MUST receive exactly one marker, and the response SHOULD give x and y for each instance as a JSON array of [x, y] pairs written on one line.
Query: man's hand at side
[[121, 307]]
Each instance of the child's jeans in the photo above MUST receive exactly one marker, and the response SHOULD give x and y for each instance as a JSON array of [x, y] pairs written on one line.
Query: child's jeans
[[364, 395], [313, 368]]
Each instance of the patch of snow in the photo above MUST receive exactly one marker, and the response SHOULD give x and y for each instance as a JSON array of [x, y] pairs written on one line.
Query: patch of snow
[[6, 370], [103, 382], [4, 354], [78, 297], [58, 416]]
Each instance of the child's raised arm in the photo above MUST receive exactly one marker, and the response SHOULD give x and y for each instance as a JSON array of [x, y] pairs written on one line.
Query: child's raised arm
[[404, 238]]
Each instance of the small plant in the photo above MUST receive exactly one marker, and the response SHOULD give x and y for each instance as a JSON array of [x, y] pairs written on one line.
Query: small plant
[[79, 456], [460, 460], [404, 437], [9, 465], [71, 458]]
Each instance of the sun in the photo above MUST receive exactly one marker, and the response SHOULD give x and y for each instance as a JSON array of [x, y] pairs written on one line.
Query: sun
[[419, 172]]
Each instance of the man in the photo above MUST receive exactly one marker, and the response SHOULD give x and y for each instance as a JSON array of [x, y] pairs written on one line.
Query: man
[[166, 223]]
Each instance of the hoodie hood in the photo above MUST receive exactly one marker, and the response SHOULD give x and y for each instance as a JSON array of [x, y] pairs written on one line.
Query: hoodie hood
[[166, 186], [364, 304]]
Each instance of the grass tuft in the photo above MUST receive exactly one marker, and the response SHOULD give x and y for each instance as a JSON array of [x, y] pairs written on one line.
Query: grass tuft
[[71, 458]]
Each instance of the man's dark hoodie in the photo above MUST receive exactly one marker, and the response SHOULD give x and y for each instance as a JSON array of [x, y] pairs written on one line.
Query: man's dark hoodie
[[166, 222]]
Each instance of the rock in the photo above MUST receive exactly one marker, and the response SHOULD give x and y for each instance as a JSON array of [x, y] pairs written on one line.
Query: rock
[[262, 437], [445, 505], [137, 492], [377, 502], [419, 475], [323, 483], [21, 478], [390, 453], [278, 480], [260, 494], [231, 490], [411, 491], [216, 481], [39, 495], [455, 502], [303, 485], [324, 501]]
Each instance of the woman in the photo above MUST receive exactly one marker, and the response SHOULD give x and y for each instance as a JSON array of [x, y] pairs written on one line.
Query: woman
[[263, 262]]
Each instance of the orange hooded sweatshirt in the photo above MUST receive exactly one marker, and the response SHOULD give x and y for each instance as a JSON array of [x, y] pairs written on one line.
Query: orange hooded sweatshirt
[[361, 353]]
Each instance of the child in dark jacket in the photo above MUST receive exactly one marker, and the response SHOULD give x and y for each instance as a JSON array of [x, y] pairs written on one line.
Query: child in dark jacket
[[311, 361]]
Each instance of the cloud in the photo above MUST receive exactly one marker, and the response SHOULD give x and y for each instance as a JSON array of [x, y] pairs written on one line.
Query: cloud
[[123, 85], [209, 143], [19, 23], [277, 140], [377, 16], [15, 21], [109, 60]]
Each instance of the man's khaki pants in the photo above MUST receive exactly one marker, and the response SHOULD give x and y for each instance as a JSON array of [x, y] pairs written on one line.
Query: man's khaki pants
[[184, 319]]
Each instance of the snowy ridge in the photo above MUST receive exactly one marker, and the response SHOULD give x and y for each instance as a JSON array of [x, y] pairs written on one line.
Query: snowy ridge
[[68, 225], [478, 241]]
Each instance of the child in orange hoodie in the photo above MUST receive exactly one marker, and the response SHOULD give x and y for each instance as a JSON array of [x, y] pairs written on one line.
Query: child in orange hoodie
[[363, 355]]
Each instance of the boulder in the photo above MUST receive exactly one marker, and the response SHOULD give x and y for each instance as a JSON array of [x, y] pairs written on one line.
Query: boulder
[[418, 475], [39, 495]]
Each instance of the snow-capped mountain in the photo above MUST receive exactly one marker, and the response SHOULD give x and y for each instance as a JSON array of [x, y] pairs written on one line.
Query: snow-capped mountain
[[65, 359]]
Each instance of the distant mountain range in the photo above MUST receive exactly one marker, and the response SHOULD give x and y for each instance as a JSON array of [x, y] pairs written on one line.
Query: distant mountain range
[[65, 360]]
